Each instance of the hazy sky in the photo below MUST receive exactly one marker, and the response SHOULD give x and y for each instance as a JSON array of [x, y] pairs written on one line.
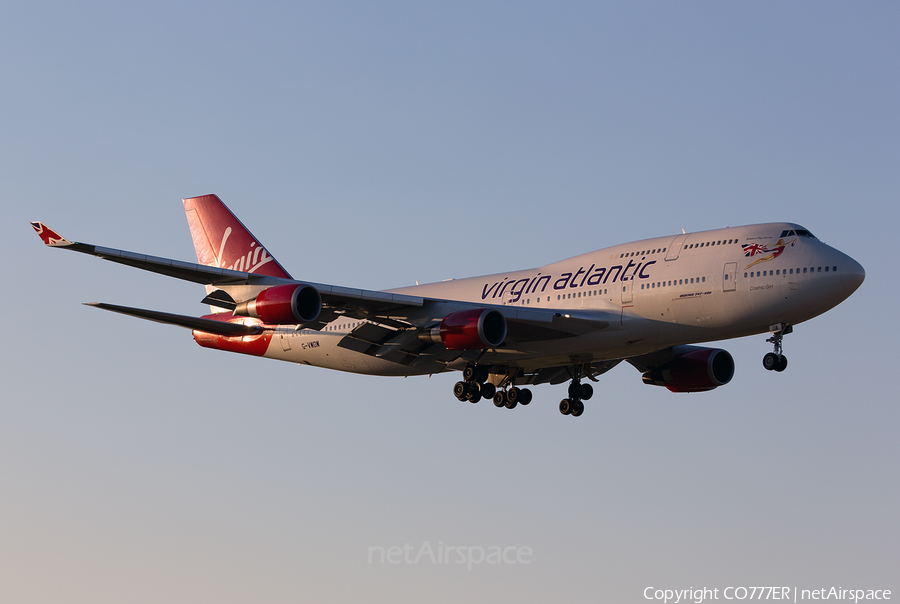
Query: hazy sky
[[379, 144]]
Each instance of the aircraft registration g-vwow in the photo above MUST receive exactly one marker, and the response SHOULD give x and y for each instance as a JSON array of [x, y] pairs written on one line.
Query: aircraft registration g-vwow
[[645, 302]]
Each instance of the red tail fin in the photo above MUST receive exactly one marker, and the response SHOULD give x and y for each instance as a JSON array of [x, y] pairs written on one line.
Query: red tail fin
[[221, 240]]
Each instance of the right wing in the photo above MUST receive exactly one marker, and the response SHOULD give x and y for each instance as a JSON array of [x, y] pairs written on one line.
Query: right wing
[[222, 328]]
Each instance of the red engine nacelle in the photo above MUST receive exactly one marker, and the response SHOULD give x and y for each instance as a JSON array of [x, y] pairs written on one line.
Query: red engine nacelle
[[283, 305], [473, 329], [697, 370]]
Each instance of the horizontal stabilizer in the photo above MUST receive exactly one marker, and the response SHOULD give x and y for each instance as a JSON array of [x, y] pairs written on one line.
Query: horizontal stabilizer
[[208, 325]]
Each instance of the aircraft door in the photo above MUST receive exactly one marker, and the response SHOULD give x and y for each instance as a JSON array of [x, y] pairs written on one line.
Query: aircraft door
[[675, 247], [728, 283], [627, 291]]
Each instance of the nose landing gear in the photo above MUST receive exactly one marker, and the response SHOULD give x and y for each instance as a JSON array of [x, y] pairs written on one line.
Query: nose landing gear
[[776, 361]]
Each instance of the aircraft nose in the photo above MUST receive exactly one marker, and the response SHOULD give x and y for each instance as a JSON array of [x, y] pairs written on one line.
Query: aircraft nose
[[852, 275]]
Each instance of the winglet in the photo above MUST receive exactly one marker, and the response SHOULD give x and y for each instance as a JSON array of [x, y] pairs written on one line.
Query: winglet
[[49, 236]]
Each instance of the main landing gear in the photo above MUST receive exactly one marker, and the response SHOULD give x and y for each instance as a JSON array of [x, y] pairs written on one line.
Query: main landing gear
[[511, 397], [475, 386], [577, 392], [776, 361]]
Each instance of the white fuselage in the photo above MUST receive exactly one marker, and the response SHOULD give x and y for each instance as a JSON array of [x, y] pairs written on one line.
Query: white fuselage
[[656, 293]]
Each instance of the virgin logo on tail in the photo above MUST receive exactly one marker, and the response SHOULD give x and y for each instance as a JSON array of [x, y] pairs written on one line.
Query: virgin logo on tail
[[248, 263]]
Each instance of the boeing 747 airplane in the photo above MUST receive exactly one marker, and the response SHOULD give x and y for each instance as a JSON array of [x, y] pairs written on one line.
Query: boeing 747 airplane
[[647, 302]]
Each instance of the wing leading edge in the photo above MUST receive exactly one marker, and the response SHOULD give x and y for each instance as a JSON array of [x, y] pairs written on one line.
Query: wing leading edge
[[396, 320], [334, 297]]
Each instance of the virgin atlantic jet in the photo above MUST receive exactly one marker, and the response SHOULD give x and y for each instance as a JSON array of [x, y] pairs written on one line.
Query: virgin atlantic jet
[[645, 302]]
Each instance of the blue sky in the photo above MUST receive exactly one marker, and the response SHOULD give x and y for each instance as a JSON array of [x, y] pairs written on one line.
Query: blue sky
[[379, 145]]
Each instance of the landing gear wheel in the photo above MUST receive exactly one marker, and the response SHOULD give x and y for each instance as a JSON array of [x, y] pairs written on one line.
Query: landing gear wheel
[[782, 364], [587, 391], [574, 390], [512, 396], [487, 389], [770, 361], [565, 406], [577, 408], [473, 396], [459, 390], [524, 396], [499, 398]]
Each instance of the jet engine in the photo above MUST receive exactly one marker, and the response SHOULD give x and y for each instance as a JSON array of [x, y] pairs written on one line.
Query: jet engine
[[283, 305], [697, 370], [473, 329]]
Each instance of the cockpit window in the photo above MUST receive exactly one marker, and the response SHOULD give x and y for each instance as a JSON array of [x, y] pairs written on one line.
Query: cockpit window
[[799, 232]]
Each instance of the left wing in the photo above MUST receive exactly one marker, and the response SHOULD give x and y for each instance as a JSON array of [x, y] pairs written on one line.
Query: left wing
[[333, 297], [397, 319]]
